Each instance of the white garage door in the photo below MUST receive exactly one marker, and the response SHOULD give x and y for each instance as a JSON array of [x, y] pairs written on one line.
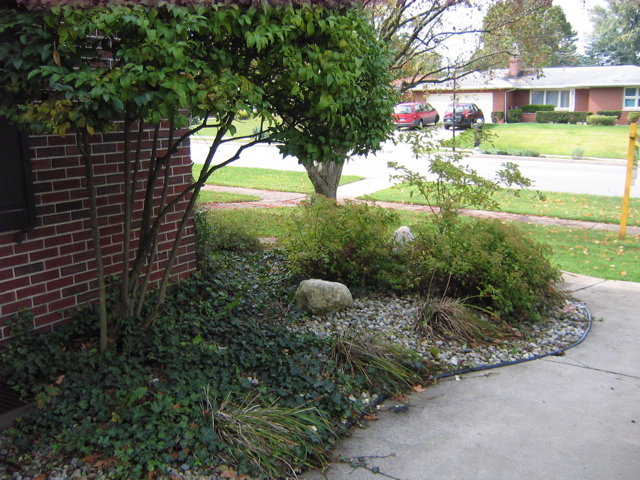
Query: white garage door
[[441, 101]]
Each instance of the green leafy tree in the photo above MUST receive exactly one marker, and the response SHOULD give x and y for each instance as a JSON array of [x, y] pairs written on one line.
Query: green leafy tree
[[313, 75], [615, 39], [543, 38]]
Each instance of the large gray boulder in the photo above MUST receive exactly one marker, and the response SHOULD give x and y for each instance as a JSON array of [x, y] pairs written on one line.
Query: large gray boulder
[[320, 297]]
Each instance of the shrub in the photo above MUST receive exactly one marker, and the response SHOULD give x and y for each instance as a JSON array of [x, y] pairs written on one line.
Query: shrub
[[577, 153], [348, 243], [514, 115], [610, 113], [561, 117], [601, 120], [497, 117], [490, 264], [633, 117], [511, 151], [537, 108]]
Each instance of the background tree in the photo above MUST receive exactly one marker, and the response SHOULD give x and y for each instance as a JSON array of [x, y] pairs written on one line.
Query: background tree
[[543, 38], [615, 39], [430, 39], [314, 77]]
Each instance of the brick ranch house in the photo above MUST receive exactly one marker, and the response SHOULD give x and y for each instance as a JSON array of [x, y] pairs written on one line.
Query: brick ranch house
[[574, 89], [47, 263]]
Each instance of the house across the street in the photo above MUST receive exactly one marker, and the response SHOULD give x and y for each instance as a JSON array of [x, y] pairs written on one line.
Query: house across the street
[[572, 89]]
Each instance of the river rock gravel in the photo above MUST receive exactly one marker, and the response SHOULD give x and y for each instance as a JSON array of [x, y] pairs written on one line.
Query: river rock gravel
[[392, 317]]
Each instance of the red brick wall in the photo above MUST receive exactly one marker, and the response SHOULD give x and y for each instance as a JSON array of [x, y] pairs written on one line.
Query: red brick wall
[[51, 268], [582, 100], [605, 99], [521, 98]]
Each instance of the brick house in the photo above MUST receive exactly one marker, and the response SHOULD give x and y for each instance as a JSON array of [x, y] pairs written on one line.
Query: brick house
[[47, 261], [574, 89]]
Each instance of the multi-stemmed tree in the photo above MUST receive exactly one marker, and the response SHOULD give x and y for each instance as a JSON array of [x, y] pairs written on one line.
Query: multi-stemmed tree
[[314, 75]]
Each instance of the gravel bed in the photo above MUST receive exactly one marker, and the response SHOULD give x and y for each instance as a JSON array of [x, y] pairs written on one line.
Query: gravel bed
[[392, 318]]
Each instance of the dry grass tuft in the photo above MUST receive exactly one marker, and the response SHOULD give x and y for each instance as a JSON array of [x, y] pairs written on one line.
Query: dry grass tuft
[[445, 317]]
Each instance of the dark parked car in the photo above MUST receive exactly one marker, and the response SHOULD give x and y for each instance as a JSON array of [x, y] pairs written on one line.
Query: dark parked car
[[414, 114], [462, 115]]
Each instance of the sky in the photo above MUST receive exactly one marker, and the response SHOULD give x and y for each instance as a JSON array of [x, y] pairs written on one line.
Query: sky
[[578, 16]]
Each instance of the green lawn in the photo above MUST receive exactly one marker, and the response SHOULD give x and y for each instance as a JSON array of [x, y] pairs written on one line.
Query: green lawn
[[557, 139], [208, 196], [573, 206], [591, 252], [244, 128], [265, 179]]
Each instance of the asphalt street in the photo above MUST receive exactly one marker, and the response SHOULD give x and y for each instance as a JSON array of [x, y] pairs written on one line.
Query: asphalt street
[[592, 176]]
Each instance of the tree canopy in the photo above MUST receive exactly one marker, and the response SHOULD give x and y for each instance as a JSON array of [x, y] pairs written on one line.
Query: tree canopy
[[541, 38], [615, 39], [315, 68]]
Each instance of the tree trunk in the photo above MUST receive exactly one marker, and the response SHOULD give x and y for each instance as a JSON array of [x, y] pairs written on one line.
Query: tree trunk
[[325, 177], [82, 141]]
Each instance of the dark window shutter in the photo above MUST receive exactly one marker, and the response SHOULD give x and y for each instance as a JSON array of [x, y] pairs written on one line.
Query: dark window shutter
[[17, 208]]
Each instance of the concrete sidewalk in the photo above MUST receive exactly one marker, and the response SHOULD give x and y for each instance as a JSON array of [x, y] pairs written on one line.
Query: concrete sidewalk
[[571, 417]]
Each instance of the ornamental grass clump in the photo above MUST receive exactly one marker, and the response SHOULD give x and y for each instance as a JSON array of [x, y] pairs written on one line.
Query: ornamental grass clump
[[273, 440], [383, 364], [446, 317]]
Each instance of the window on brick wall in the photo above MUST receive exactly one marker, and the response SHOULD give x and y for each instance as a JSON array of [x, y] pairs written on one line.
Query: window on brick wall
[[632, 97], [17, 209], [561, 99]]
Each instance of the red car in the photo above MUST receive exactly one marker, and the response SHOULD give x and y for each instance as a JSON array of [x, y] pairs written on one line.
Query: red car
[[414, 114]]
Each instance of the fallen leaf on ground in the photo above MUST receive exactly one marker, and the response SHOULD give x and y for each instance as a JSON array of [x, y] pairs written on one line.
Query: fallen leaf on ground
[[371, 417], [91, 459], [418, 388]]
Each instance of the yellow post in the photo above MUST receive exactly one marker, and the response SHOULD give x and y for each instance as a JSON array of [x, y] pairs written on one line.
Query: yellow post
[[633, 138]]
